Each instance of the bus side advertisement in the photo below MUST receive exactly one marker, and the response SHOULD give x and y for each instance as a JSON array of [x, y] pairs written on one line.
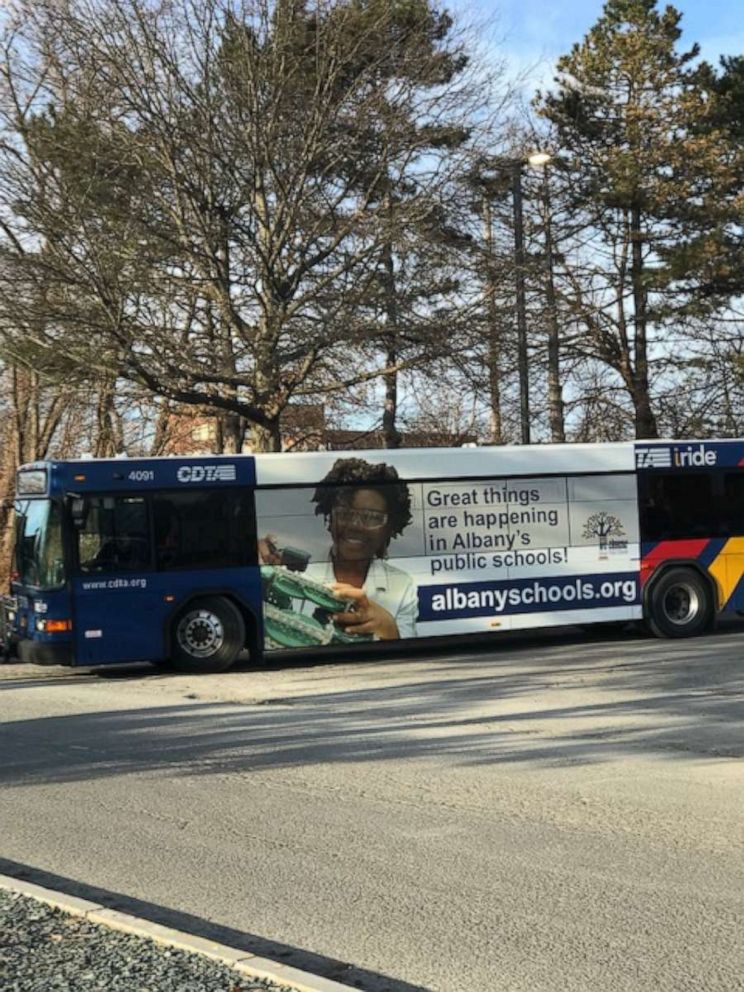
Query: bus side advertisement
[[450, 557]]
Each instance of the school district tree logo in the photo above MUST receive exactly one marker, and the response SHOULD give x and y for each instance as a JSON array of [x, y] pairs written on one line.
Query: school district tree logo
[[608, 530]]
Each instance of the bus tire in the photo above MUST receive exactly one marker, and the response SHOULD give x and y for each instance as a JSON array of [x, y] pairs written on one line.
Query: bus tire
[[207, 636], [680, 604]]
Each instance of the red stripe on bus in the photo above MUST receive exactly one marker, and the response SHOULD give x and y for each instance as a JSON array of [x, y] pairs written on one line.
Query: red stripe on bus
[[666, 550]]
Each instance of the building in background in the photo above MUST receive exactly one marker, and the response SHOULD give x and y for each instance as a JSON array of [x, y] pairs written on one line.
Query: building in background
[[193, 431]]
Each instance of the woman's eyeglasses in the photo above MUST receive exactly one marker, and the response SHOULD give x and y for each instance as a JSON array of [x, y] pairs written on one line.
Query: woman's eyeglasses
[[366, 519]]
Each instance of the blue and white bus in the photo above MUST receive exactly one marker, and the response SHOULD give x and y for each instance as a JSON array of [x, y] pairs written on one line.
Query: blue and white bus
[[194, 560]]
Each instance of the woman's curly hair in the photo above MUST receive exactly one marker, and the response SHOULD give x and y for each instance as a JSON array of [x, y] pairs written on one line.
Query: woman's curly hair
[[350, 474]]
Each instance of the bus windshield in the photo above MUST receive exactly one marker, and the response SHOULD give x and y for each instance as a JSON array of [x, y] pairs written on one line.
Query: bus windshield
[[38, 545]]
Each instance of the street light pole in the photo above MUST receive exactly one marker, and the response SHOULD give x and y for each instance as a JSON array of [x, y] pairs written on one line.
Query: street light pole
[[514, 167], [555, 395], [522, 357]]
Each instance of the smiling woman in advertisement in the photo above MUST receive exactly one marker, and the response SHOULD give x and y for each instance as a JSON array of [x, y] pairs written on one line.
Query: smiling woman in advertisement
[[364, 506]]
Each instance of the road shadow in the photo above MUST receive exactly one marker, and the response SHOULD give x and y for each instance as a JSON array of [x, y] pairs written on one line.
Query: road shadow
[[316, 964], [673, 699]]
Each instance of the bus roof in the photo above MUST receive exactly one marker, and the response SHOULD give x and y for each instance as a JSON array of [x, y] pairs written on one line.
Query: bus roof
[[452, 463], [309, 468], [128, 474]]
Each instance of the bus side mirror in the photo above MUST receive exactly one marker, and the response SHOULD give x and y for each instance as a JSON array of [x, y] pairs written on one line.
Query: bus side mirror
[[79, 511]]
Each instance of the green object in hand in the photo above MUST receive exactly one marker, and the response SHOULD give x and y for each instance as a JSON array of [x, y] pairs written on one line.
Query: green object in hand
[[293, 630], [300, 587], [287, 629]]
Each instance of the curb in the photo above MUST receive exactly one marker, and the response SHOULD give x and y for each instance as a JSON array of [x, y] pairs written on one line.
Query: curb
[[250, 965]]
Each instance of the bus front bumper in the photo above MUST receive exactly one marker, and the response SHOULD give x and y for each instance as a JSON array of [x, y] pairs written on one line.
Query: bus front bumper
[[44, 652]]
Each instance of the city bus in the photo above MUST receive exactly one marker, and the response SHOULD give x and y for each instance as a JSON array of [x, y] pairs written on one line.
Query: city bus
[[194, 561]]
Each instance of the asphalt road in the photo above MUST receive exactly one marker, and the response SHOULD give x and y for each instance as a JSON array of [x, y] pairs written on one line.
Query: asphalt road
[[548, 814]]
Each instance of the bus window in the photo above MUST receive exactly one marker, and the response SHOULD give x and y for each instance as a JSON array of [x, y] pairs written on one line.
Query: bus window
[[732, 507], [198, 529], [679, 506], [116, 535], [39, 557]]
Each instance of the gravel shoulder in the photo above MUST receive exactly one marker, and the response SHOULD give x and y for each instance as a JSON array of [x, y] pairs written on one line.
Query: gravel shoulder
[[43, 949]]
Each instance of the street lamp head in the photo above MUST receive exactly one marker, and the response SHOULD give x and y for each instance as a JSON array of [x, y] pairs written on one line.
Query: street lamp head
[[539, 158]]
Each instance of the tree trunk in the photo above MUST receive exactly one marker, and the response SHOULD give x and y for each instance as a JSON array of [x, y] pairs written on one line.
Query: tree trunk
[[19, 401], [390, 434], [27, 436], [266, 438], [162, 427], [493, 332], [233, 433], [105, 443], [34, 407], [645, 422], [9, 464], [555, 389]]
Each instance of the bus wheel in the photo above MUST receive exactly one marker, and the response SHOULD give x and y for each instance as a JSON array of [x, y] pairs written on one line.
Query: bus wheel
[[207, 636], [679, 604]]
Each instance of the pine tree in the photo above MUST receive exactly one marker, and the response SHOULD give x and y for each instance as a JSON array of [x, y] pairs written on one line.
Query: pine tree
[[709, 260], [632, 118]]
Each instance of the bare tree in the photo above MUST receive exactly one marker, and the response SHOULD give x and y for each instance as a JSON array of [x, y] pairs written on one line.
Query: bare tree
[[191, 190], [38, 419]]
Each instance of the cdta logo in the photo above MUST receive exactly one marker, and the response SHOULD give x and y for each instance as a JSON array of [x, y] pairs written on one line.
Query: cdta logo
[[206, 473], [697, 456]]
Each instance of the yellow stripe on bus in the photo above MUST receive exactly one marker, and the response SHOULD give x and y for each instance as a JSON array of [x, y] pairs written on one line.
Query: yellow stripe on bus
[[728, 567]]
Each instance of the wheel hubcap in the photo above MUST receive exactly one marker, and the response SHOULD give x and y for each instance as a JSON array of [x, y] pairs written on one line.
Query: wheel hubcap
[[200, 633], [681, 604]]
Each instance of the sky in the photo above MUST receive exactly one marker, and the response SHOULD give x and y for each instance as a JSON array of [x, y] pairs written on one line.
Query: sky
[[533, 33]]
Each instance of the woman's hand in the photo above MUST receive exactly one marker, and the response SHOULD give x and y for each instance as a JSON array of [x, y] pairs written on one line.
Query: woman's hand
[[267, 550], [367, 616]]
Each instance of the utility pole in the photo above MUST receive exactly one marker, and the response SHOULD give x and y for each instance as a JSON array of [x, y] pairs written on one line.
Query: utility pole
[[494, 328], [555, 397], [522, 356], [514, 167]]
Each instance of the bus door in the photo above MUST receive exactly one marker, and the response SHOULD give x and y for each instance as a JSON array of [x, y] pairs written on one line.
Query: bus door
[[116, 599]]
